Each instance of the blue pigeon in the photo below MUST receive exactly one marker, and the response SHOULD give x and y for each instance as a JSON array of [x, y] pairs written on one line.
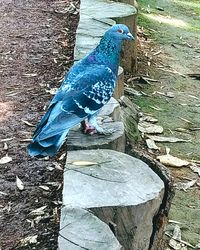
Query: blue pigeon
[[86, 88]]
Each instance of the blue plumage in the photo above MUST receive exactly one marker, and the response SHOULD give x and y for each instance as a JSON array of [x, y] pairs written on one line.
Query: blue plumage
[[86, 88]]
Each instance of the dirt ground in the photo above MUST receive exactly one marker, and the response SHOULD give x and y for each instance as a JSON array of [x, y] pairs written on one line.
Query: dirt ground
[[36, 47]]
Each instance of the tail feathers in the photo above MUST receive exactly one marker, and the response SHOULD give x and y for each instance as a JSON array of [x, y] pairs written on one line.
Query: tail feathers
[[48, 147], [43, 122]]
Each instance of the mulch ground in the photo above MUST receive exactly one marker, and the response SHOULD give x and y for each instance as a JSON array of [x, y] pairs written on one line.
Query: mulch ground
[[36, 47]]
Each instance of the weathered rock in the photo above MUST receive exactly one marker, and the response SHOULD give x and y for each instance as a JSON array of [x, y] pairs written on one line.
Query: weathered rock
[[80, 229], [120, 190]]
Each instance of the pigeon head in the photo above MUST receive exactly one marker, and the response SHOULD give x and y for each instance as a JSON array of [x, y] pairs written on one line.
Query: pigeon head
[[119, 32], [108, 50]]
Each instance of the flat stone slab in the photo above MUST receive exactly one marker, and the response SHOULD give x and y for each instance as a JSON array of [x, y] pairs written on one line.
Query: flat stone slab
[[120, 190], [80, 229]]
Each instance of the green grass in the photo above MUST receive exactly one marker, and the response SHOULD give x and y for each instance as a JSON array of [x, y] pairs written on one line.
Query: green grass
[[186, 209], [187, 12]]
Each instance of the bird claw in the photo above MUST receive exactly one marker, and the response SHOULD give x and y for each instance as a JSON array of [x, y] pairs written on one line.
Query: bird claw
[[91, 130]]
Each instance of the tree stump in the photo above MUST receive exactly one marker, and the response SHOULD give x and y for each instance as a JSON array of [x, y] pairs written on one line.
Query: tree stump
[[119, 89], [120, 190], [116, 141], [80, 229], [111, 109], [129, 52], [94, 22], [130, 118], [160, 221], [110, 116]]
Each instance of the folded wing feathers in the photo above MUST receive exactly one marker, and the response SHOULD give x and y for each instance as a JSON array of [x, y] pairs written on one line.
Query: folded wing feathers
[[84, 98]]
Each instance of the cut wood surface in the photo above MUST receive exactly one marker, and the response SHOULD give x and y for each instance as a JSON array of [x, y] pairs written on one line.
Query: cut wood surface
[[80, 229], [119, 189], [116, 140]]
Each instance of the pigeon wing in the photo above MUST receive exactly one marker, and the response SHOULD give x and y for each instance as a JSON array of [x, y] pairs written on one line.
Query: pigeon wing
[[92, 90]]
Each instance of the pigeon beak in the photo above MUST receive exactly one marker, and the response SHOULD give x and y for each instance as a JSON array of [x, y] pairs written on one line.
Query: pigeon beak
[[130, 36]]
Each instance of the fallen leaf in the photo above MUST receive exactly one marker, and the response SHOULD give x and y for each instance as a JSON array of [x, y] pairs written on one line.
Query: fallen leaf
[[166, 139], [184, 130], [12, 94], [55, 61], [52, 91], [50, 168], [135, 78], [46, 158], [170, 94], [62, 157], [7, 139], [149, 128], [176, 233], [132, 91], [185, 120], [176, 245], [26, 140], [192, 96], [181, 241], [167, 150], [156, 108], [160, 51], [185, 186], [5, 146], [39, 218], [151, 144], [149, 79], [148, 118], [2, 193], [83, 163], [167, 94], [46, 188], [53, 183], [195, 169], [28, 123], [176, 237], [174, 221], [5, 159], [19, 183], [58, 166], [197, 246], [28, 240], [57, 202], [38, 211], [30, 75], [172, 161]]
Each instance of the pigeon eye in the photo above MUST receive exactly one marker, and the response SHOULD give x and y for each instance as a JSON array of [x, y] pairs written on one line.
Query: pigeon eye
[[120, 31]]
